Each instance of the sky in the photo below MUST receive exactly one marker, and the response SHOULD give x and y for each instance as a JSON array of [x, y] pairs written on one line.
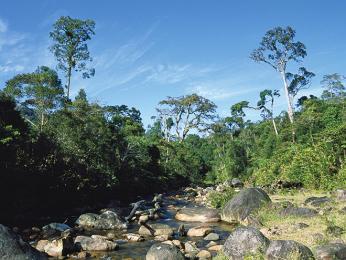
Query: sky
[[144, 51]]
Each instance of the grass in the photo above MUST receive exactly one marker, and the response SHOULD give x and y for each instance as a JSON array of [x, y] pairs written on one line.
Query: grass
[[278, 227]]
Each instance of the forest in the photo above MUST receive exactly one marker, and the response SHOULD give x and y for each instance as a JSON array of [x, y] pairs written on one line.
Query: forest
[[59, 152]]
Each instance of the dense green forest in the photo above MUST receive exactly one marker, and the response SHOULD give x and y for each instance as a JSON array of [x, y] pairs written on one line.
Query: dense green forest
[[59, 152]]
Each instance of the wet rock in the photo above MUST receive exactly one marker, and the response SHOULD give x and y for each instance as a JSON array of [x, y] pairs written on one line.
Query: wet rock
[[13, 247], [83, 255], [298, 212], [204, 254], [243, 204], [106, 220], [56, 247], [244, 241], [198, 214], [340, 194], [336, 251], [199, 231], [317, 201], [156, 230], [212, 237], [143, 219], [94, 244], [54, 229], [288, 249], [164, 251], [134, 237]]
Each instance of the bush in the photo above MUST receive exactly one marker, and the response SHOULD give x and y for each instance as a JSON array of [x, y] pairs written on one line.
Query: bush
[[219, 199]]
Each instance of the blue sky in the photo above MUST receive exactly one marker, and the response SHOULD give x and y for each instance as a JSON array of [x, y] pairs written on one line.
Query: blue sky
[[146, 50]]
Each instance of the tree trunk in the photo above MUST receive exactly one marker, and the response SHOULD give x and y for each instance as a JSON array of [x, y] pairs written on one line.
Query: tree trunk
[[275, 129], [289, 104], [69, 74]]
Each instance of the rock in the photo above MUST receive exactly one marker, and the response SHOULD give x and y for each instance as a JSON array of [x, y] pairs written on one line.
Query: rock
[[83, 255], [94, 244], [163, 251], [211, 243], [190, 247], [317, 238], [157, 198], [334, 230], [288, 249], [158, 229], [12, 247], [199, 231], [317, 201], [335, 251], [162, 238], [56, 247], [300, 226], [198, 214], [234, 183], [340, 194], [204, 254], [54, 229], [298, 212], [134, 237], [215, 248], [245, 241], [212, 237], [106, 220], [243, 204]]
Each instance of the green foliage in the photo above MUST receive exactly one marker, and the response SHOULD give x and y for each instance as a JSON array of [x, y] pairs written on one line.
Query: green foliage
[[219, 199]]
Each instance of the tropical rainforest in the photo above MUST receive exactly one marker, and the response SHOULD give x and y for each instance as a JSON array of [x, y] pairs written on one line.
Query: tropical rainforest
[[59, 152]]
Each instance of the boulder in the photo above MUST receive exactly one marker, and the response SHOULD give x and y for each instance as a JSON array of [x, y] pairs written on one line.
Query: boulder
[[298, 212], [243, 204], [191, 248], [288, 249], [106, 220], [335, 251], [204, 254], [56, 247], [317, 201], [199, 231], [12, 247], [215, 248], [212, 237], [234, 183], [340, 194], [94, 243], [198, 214], [164, 251], [156, 230], [244, 241], [134, 237]]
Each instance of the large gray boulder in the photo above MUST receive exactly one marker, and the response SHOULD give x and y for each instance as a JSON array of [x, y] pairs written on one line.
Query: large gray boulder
[[288, 249], [106, 220], [198, 214], [335, 251], [243, 204], [12, 247], [94, 243], [163, 251], [245, 241]]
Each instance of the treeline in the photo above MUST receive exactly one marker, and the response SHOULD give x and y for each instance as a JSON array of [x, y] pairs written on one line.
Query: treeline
[[58, 153]]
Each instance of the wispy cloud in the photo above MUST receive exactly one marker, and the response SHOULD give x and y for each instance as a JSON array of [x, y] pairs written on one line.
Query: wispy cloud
[[3, 26]]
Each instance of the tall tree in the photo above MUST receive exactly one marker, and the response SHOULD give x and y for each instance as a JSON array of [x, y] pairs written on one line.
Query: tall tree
[[267, 96], [333, 85], [277, 48], [187, 113], [69, 46], [39, 92]]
